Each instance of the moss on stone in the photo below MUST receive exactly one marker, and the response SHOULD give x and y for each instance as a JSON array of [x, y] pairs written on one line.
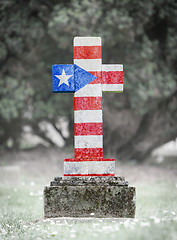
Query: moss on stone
[[80, 201]]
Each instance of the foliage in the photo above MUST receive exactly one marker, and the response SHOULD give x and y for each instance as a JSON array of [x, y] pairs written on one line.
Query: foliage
[[36, 34]]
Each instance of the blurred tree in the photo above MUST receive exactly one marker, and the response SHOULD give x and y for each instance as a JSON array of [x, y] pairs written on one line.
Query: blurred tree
[[141, 35]]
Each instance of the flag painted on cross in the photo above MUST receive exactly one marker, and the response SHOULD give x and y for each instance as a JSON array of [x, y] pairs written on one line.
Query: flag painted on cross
[[88, 78], [70, 78]]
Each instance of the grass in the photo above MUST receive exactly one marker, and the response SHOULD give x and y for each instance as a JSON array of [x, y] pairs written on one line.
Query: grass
[[21, 216], [21, 202]]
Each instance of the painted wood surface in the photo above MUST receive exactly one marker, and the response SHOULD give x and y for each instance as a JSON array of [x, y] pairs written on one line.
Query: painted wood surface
[[88, 78]]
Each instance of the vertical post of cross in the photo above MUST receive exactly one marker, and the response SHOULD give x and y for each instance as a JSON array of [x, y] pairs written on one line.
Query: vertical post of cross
[[88, 123], [88, 101]]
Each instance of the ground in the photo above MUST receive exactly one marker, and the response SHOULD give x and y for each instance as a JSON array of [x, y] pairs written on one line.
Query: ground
[[23, 176]]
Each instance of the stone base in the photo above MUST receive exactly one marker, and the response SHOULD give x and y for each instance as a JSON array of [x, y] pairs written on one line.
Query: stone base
[[89, 197]]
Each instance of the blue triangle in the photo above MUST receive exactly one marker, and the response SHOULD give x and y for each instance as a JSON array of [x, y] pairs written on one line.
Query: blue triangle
[[82, 77]]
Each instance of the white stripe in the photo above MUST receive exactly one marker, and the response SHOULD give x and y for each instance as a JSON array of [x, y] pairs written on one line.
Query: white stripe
[[112, 67], [88, 116], [88, 141], [90, 90], [87, 41], [89, 167], [112, 87], [89, 64]]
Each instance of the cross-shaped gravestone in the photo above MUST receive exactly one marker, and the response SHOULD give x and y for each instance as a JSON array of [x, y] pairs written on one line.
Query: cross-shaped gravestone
[[103, 195], [88, 78]]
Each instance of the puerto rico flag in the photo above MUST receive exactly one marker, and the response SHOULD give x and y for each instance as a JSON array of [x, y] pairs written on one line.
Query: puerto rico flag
[[70, 78]]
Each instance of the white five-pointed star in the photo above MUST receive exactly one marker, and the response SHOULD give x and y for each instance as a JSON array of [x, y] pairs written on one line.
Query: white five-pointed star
[[63, 78]]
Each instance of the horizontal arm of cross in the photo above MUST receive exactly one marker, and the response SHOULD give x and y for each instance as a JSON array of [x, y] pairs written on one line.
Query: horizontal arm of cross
[[71, 78]]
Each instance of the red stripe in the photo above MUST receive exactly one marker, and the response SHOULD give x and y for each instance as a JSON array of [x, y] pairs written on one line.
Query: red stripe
[[88, 103], [88, 153], [89, 159], [89, 175], [98, 79], [112, 77], [88, 129], [87, 52]]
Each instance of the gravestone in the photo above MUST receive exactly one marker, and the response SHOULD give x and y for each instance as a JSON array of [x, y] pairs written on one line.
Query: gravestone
[[89, 187]]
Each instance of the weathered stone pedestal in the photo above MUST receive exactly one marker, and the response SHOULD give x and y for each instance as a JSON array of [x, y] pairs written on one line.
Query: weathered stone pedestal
[[89, 197]]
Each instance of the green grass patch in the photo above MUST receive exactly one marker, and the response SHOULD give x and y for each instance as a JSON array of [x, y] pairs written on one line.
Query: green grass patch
[[21, 216]]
